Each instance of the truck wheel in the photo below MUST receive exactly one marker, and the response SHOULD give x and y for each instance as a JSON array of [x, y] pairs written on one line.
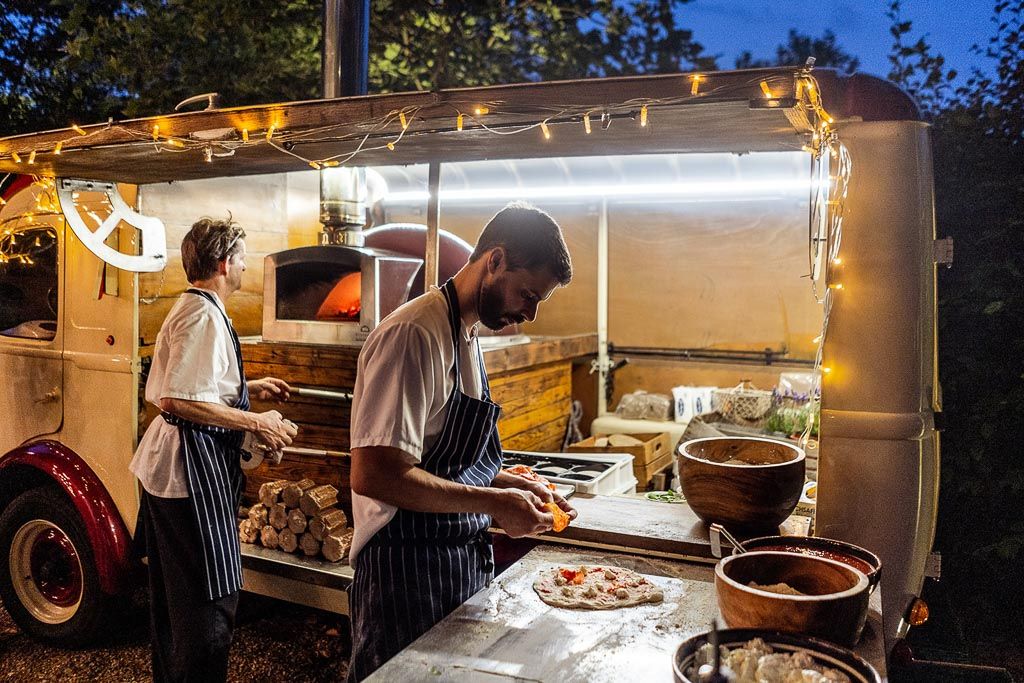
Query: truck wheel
[[48, 579]]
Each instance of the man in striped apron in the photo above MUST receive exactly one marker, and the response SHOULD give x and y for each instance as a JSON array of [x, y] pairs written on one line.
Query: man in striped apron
[[426, 457], [188, 462]]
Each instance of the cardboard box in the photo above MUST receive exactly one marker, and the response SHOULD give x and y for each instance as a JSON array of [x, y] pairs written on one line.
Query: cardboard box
[[651, 456]]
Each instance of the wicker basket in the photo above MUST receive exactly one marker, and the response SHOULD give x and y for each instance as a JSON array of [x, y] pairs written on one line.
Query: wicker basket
[[743, 404]]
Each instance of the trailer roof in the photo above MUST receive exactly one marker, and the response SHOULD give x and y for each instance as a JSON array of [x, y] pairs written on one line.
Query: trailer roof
[[731, 112]]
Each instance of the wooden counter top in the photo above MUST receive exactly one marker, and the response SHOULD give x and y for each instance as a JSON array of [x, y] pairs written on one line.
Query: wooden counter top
[[537, 351], [505, 632]]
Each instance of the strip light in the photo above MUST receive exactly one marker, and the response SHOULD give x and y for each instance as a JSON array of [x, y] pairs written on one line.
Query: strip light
[[682, 190]]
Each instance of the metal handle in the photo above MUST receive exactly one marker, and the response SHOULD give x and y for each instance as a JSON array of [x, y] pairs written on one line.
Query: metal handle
[[322, 393], [210, 97]]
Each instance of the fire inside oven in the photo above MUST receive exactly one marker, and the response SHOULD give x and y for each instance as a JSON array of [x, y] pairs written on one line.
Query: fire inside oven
[[333, 293]]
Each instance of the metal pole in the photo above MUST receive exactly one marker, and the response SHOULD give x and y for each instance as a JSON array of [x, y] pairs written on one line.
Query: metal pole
[[355, 62], [433, 220], [330, 58], [602, 307]]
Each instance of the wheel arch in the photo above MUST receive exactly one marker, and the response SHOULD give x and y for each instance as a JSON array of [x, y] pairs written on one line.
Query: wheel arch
[[51, 463]]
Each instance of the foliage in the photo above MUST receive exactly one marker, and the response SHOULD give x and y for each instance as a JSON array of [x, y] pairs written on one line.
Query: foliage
[[65, 60], [825, 50], [916, 68], [47, 74]]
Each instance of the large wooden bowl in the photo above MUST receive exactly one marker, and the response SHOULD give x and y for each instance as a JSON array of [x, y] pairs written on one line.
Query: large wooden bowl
[[689, 654], [847, 553], [757, 495], [834, 605]]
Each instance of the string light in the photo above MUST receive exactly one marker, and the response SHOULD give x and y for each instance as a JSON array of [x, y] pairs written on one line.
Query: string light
[[480, 110], [837, 261], [175, 142], [695, 85], [32, 157], [270, 132], [586, 123], [331, 163], [458, 122], [245, 135], [544, 129], [766, 90], [391, 146], [208, 154], [643, 116], [57, 147], [315, 164], [404, 121], [156, 132], [836, 286], [78, 129], [16, 157]]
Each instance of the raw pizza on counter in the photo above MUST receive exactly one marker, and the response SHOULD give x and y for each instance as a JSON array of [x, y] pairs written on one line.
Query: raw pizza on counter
[[595, 587]]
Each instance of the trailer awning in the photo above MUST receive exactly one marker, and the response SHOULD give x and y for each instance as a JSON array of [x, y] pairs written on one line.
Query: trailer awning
[[732, 111]]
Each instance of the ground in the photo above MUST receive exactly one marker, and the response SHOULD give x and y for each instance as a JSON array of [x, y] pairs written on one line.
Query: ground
[[273, 641]]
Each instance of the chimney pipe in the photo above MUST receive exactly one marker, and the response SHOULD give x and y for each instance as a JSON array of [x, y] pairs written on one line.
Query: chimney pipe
[[345, 63]]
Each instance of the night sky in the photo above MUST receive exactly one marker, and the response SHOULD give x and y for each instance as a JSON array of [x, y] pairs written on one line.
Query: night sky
[[727, 27]]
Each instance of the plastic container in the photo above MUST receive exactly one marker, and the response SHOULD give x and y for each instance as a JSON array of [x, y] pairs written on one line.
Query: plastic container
[[599, 474]]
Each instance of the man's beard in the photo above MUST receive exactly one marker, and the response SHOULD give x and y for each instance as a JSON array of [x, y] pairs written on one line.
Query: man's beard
[[490, 306]]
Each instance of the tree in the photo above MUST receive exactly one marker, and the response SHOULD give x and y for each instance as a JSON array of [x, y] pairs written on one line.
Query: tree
[[825, 50], [916, 69], [48, 75], [140, 57]]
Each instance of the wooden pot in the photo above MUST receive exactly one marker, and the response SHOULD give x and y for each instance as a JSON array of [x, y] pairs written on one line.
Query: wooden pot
[[757, 495], [834, 605]]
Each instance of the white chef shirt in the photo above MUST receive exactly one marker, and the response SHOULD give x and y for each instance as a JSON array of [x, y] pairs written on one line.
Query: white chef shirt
[[404, 377], [194, 360]]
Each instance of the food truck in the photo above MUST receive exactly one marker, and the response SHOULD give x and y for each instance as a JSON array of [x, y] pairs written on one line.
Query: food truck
[[727, 229]]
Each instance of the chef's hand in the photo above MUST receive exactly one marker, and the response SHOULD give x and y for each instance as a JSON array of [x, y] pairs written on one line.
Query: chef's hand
[[546, 495], [269, 388], [273, 430], [520, 513]]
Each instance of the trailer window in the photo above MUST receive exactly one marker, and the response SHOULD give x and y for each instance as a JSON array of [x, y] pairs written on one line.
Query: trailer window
[[28, 283]]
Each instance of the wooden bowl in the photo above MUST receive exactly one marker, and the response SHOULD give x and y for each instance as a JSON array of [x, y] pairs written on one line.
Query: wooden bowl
[[834, 605], [857, 557], [832, 656], [747, 484]]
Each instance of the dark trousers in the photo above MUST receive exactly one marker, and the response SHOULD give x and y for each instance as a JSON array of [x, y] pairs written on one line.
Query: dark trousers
[[190, 633]]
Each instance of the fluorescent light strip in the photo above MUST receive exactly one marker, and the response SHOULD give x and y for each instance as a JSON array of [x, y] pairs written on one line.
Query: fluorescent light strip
[[737, 189]]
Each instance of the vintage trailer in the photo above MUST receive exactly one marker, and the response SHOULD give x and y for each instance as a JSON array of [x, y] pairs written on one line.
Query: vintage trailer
[[846, 157]]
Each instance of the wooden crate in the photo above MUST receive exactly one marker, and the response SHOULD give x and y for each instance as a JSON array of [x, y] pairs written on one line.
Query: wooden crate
[[649, 457]]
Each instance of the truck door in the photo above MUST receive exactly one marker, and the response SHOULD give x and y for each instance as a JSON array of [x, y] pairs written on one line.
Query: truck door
[[31, 397]]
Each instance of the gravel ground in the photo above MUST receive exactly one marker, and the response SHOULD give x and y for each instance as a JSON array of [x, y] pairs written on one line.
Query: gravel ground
[[274, 640]]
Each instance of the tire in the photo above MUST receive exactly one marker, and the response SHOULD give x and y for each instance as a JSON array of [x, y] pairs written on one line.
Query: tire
[[48, 578]]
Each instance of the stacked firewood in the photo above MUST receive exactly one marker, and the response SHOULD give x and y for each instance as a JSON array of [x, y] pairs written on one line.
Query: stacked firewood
[[298, 516]]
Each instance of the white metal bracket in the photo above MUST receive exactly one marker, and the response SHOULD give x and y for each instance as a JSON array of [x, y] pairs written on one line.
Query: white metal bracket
[[154, 238]]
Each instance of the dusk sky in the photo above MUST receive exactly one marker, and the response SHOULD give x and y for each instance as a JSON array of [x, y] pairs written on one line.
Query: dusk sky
[[727, 27]]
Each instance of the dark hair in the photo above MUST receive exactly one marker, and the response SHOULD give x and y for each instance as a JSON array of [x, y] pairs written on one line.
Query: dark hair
[[531, 238], [208, 243]]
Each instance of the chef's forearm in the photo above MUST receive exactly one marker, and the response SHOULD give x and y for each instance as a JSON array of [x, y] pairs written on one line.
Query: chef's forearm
[[383, 474], [215, 414]]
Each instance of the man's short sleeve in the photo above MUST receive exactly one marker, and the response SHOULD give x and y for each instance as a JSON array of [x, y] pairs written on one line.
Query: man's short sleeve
[[197, 358], [395, 389]]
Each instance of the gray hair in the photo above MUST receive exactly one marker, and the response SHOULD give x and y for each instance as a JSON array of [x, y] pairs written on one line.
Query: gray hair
[[208, 243]]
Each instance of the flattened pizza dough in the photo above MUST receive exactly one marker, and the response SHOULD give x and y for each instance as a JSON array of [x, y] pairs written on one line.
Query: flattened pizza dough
[[595, 587]]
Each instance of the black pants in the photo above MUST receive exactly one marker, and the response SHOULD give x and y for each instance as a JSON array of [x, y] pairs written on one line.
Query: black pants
[[190, 633]]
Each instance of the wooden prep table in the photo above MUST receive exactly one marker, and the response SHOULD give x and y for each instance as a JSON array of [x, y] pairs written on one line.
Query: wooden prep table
[[505, 632]]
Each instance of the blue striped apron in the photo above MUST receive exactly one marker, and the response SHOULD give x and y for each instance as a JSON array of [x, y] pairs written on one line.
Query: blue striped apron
[[421, 566], [215, 481]]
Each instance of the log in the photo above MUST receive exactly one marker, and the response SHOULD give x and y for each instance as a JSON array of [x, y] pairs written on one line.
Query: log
[[297, 521], [288, 541], [247, 531], [310, 546], [269, 537], [331, 520], [258, 515], [292, 493], [270, 492], [317, 499], [336, 546], [243, 512], [279, 516]]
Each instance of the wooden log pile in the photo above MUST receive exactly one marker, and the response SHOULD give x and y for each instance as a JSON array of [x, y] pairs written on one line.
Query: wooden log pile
[[297, 516]]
